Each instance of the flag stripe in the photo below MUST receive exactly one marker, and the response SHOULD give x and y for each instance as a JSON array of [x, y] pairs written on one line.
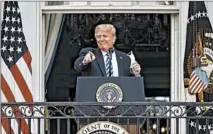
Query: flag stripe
[[23, 123], [6, 110], [11, 83], [199, 86], [7, 92], [21, 83], [195, 86], [193, 76], [4, 123], [27, 76], [2, 129], [27, 57], [203, 87], [192, 82]]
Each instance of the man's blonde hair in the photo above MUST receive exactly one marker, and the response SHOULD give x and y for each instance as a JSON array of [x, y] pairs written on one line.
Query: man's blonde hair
[[106, 26]]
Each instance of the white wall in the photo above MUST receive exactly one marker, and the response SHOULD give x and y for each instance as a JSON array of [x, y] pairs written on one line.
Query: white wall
[[183, 27], [30, 19], [28, 14], [209, 5]]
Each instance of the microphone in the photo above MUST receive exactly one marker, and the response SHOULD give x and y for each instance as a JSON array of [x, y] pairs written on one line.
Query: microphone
[[110, 51]]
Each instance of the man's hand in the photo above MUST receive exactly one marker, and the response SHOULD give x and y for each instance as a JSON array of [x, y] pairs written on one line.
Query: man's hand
[[136, 69], [89, 57]]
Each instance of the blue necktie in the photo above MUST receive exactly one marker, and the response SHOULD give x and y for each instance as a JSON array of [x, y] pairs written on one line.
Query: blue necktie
[[109, 68]]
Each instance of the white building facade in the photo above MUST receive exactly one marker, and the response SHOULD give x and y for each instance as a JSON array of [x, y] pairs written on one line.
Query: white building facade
[[33, 19]]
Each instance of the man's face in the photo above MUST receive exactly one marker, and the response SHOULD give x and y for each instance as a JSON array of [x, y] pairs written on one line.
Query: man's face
[[105, 39]]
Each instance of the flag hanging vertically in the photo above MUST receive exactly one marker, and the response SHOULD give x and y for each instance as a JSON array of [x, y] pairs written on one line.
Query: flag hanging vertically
[[195, 76], [16, 71], [198, 62]]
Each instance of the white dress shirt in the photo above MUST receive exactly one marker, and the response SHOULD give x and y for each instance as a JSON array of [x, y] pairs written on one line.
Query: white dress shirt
[[114, 63]]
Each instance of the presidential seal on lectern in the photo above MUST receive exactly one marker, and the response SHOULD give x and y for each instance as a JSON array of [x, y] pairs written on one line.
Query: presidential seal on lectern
[[102, 127], [109, 92]]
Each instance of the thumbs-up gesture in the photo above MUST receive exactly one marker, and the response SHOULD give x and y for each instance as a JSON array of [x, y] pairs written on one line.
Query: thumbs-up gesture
[[89, 57]]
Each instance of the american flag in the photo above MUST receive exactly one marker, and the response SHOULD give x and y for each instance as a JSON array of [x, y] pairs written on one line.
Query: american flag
[[16, 71], [198, 81], [198, 21]]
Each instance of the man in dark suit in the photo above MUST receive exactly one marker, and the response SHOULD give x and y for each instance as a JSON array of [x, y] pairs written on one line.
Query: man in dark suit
[[105, 60]]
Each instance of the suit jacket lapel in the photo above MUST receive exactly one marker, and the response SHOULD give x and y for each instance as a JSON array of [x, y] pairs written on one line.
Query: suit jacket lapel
[[119, 61], [100, 61]]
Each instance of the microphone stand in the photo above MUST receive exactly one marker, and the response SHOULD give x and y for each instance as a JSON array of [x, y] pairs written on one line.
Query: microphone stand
[[110, 59], [110, 64]]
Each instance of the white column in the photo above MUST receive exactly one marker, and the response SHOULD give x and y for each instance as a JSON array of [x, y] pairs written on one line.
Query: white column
[[182, 43], [31, 18], [174, 67]]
